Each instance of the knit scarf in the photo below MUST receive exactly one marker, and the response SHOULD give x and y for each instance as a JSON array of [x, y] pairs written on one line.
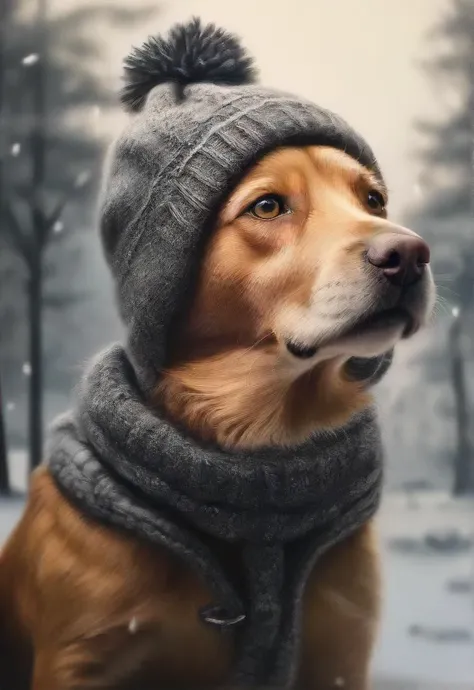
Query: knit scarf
[[124, 465]]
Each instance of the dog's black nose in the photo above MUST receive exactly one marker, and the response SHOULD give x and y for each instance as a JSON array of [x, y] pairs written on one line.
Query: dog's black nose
[[402, 258]]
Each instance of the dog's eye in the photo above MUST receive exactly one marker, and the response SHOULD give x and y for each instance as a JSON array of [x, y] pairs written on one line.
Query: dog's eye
[[375, 201], [268, 207]]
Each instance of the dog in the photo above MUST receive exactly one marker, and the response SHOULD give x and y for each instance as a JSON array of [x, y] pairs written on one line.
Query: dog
[[302, 272], [296, 226]]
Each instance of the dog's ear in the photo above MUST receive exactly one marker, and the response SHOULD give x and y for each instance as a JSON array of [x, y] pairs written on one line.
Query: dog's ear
[[368, 370]]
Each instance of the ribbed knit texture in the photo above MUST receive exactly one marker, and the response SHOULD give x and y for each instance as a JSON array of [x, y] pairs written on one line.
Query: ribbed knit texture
[[283, 507]]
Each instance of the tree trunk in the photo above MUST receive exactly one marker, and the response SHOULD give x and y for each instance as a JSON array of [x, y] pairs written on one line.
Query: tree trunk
[[4, 478], [35, 285], [35, 371], [463, 458]]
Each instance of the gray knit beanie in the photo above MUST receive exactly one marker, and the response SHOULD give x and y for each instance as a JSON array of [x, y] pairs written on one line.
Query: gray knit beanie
[[199, 122]]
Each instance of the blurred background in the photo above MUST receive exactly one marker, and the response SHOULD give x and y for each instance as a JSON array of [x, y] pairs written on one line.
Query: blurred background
[[401, 73]]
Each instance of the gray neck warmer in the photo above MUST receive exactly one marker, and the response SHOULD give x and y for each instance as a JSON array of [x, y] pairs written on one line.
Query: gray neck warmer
[[122, 464]]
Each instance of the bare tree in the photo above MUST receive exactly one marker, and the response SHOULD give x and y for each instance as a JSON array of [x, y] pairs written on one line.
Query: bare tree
[[463, 457], [31, 243], [449, 143], [4, 478], [446, 214], [50, 163]]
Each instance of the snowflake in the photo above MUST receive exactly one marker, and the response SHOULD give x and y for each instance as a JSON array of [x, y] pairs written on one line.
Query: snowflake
[[27, 369], [339, 682], [133, 626], [10, 406], [30, 59], [58, 227], [455, 311], [15, 149], [82, 179], [418, 190]]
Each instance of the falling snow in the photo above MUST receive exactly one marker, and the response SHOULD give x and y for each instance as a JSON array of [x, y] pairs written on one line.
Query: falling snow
[[133, 626], [30, 59], [82, 179], [339, 682], [15, 150], [26, 369], [58, 226], [455, 311], [418, 190], [10, 406]]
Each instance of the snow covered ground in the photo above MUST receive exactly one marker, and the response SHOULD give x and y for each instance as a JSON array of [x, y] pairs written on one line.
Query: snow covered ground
[[427, 640], [18, 470], [428, 624]]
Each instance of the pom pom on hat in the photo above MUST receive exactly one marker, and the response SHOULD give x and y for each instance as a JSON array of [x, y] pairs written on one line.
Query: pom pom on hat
[[192, 53]]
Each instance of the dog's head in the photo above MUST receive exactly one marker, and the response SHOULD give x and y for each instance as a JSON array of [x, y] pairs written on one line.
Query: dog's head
[[303, 272], [304, 255]]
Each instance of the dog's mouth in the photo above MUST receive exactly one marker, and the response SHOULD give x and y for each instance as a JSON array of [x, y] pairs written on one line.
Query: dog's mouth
[[371, 324], [301, 351], [383, 320]]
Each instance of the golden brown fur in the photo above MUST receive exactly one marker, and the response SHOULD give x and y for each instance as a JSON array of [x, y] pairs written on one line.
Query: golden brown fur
[[229, 337], [87, 607], [104, 611]]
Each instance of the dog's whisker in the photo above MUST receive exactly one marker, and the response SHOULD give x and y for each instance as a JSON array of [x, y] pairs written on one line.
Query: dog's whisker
[[445, 288]]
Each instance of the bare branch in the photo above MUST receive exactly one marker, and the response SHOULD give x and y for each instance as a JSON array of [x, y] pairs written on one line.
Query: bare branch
[[44, 222], [50, 220], [15, 233]]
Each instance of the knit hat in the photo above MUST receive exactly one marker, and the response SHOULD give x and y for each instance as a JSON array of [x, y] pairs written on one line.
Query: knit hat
[[199, 123]]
